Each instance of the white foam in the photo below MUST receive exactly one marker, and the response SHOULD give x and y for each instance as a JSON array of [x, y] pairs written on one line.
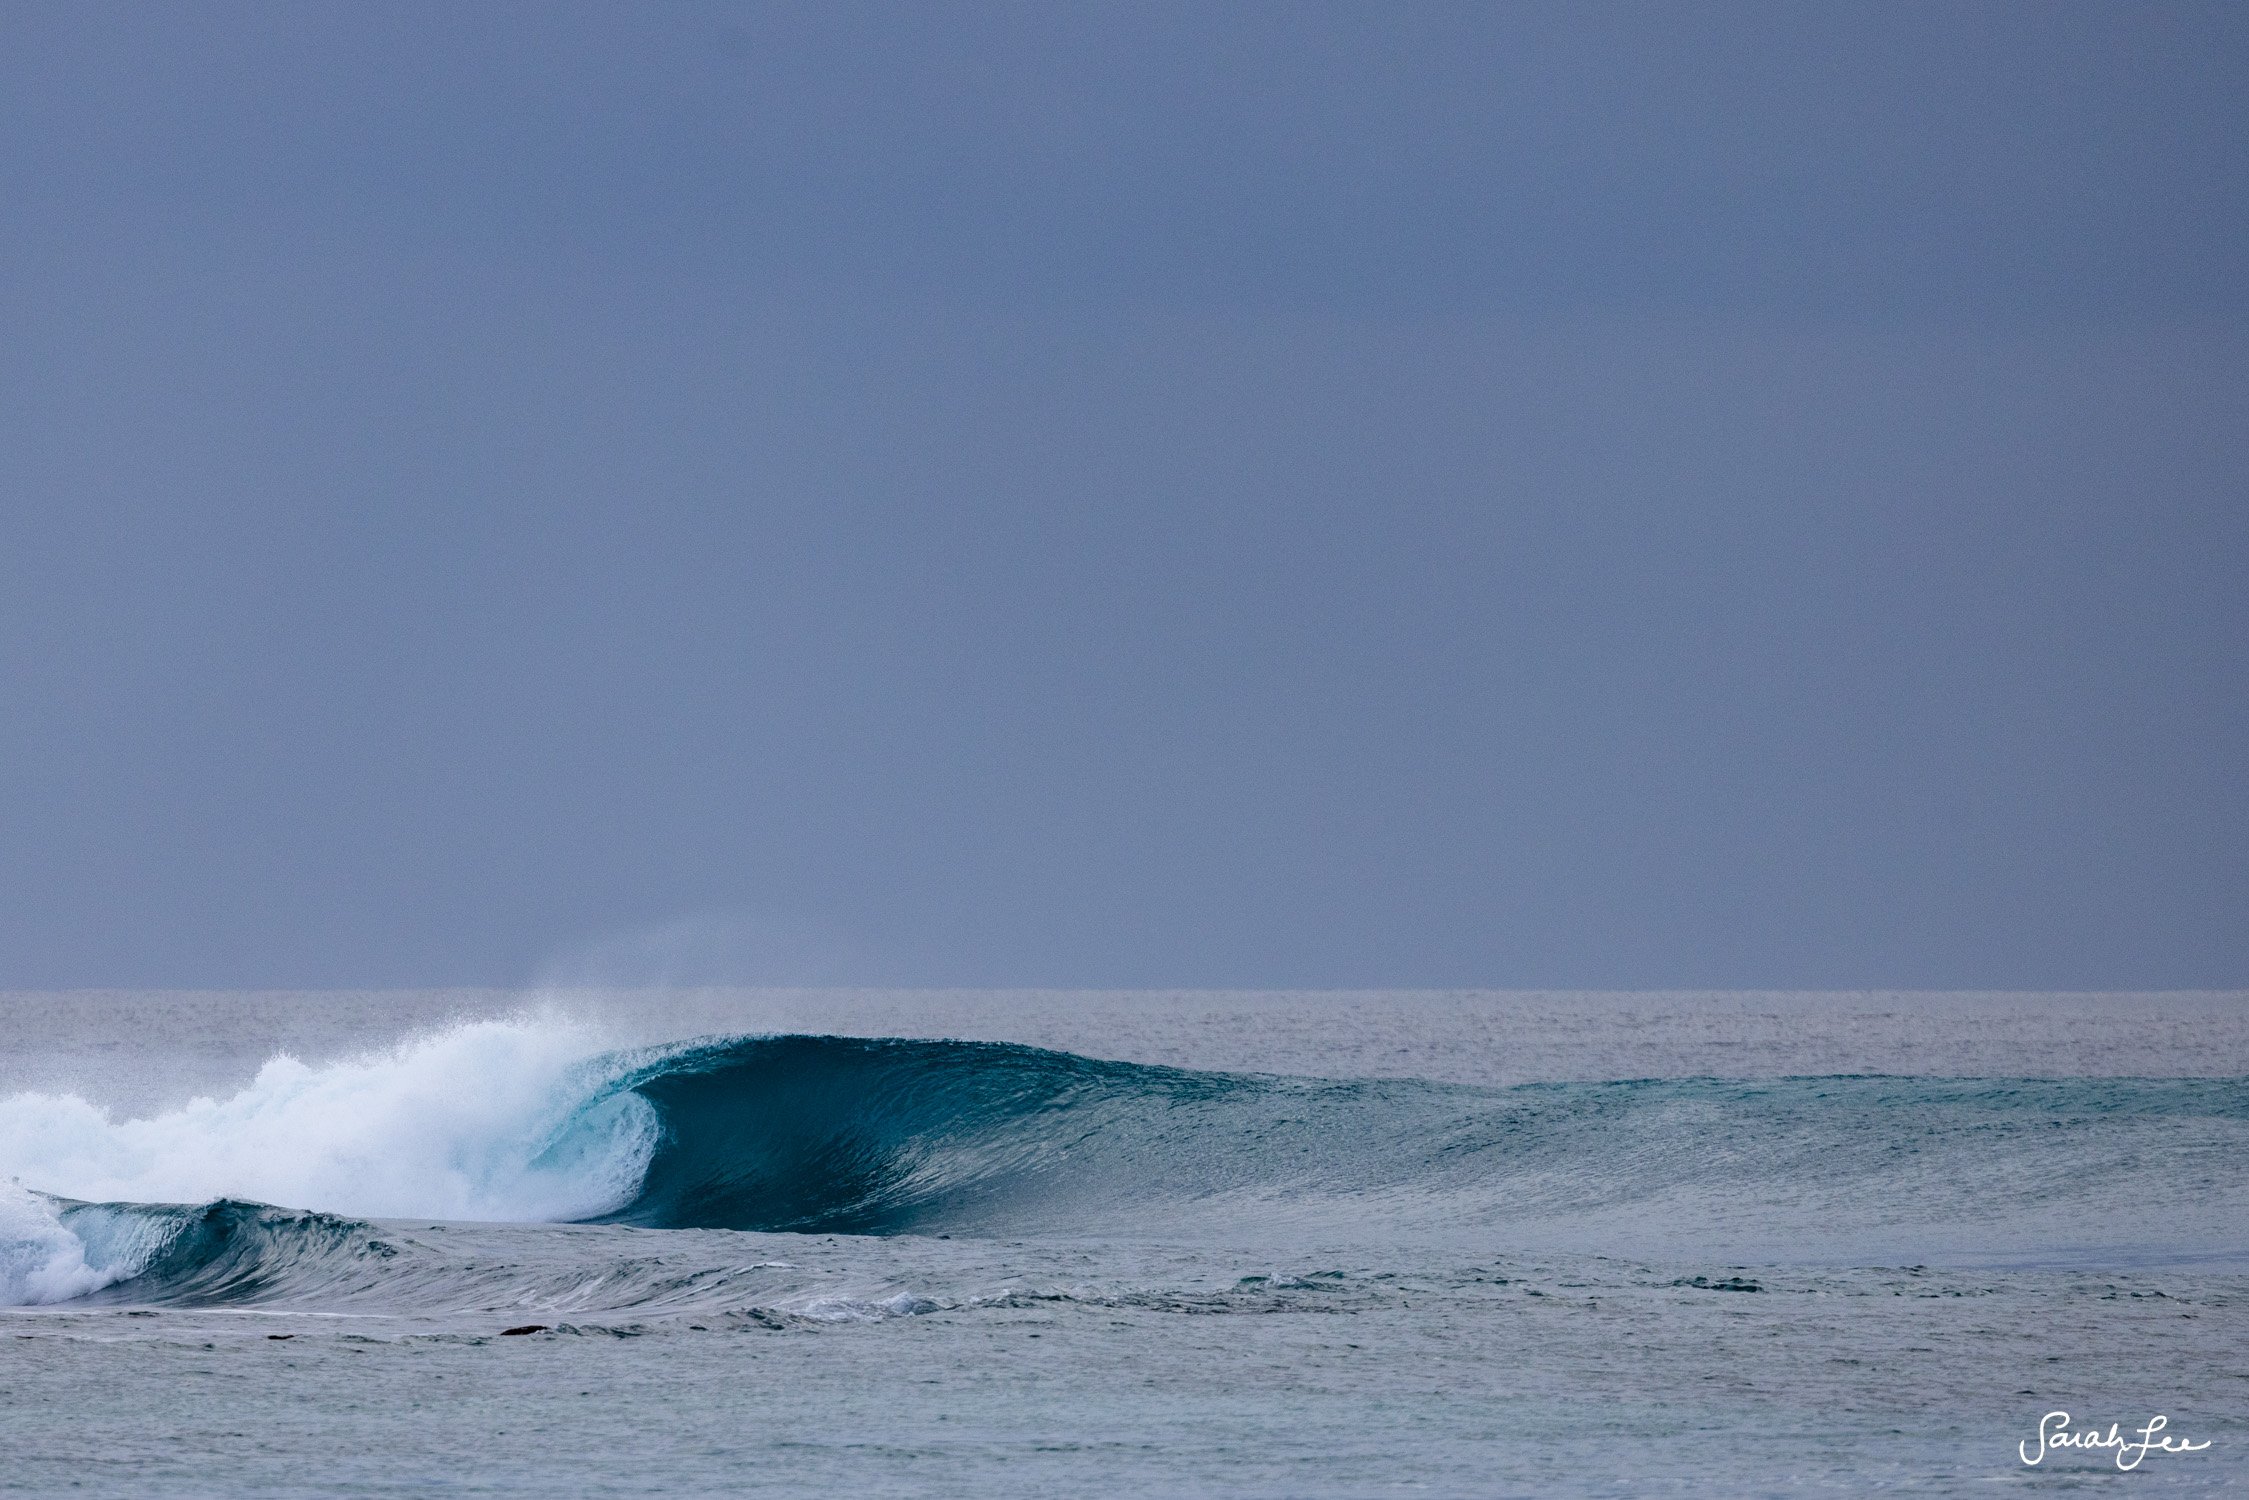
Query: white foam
[[488, 1121], [861, 1309], [40, 1260]]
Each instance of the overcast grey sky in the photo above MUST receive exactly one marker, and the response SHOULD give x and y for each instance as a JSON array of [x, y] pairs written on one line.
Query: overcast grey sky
[[1142, 494]]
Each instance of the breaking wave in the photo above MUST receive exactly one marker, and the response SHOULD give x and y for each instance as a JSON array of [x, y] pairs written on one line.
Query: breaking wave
[[535, 1121]]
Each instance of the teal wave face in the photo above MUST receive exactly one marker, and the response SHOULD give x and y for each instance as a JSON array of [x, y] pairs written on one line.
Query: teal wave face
[[843, 1135]]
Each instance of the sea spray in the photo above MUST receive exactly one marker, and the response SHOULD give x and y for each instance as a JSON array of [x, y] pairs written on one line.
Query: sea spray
[[495, 1120]]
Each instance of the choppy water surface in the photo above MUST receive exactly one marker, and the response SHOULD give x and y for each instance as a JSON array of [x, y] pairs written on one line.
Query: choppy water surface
[[946, 1261]]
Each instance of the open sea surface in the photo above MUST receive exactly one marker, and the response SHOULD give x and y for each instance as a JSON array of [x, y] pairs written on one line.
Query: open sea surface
[[1175, 1243]]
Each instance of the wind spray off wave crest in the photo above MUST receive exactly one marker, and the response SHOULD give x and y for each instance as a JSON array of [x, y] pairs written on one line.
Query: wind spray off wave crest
[[495, 1120]]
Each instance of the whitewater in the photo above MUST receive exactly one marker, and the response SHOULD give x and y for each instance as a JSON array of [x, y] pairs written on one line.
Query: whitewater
[[1582, 1218]]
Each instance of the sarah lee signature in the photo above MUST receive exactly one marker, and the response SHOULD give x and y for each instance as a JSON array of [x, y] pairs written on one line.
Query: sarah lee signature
[[2054, 1433]]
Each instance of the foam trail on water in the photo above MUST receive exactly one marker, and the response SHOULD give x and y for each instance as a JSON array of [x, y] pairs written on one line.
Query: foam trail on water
[[489, 1120]]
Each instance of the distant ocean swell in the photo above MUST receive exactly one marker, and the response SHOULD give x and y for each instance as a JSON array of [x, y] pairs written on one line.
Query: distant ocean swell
[[532, 1121]]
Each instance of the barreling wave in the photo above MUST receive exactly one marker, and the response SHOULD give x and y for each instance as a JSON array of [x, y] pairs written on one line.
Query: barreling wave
[[861, 1136], [533, 1121]]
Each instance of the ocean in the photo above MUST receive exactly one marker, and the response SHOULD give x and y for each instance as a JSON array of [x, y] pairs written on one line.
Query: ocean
[[705, 1242]]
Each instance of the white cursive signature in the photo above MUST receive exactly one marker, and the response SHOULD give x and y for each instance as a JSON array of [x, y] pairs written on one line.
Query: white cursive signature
[[2054, 1433]]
